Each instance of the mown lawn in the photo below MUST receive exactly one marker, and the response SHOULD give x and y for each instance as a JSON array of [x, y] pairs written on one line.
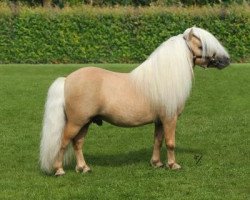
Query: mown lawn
[[212, 143]]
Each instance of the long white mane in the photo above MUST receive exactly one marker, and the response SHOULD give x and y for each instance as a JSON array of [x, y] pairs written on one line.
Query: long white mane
[[166, 76]]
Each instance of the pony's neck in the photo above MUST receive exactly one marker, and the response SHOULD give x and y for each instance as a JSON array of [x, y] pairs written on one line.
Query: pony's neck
[[165, 78]]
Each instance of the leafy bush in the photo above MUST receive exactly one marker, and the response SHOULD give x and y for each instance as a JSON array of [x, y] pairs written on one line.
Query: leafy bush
[[61, 3], [98, 35]]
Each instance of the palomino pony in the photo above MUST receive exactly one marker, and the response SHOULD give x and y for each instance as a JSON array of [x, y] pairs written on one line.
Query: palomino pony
[[154, 92]]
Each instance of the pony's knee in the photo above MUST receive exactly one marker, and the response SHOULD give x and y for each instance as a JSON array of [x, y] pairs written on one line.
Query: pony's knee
[[170, 145]]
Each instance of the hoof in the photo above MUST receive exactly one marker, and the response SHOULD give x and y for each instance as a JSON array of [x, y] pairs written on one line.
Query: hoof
[[60, 172], [174, 166], [84, 169], [156, 164]]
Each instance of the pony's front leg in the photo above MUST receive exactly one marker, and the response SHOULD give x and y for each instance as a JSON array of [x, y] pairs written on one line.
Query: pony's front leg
[[158, 137], [169, 126], [78, 141]]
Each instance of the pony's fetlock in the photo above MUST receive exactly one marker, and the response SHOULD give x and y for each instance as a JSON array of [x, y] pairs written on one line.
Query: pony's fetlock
[[60, 172], [174, 166], [83, 169], [156, 164]]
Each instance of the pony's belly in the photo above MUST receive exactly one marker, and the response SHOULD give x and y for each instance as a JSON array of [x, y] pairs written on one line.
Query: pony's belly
[[125, 121], [128, 116]]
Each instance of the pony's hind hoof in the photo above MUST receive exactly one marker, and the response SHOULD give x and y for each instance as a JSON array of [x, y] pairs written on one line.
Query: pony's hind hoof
[[84, 169], [174, 166], [156, 164], [60, 172]]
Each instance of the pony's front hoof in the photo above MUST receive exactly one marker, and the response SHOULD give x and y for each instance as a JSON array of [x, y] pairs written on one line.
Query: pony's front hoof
[[156, 164], [60, 172], [84, 169], [174, 166]]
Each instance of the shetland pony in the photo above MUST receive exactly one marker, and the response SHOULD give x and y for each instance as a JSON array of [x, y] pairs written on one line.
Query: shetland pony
[[154, 92]]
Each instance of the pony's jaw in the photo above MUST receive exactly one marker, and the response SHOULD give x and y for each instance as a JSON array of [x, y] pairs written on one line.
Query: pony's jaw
[[217, 62]]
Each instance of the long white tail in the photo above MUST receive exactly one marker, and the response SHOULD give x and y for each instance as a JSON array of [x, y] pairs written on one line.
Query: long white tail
[[53, 125]]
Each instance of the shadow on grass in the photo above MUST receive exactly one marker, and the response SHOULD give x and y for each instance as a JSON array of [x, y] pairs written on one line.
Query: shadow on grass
[[132, 157], [125, 158]]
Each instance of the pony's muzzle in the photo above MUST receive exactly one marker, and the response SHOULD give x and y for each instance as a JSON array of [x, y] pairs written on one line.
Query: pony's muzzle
[[219, 62]]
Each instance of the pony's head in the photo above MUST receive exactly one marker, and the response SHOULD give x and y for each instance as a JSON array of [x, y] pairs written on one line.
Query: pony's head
[[205, 48]]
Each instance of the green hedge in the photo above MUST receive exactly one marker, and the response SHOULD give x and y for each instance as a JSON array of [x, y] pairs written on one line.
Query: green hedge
[[62, 3], [95, 35]]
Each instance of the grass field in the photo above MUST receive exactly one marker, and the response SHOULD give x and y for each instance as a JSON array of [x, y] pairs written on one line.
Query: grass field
[[212, 143]]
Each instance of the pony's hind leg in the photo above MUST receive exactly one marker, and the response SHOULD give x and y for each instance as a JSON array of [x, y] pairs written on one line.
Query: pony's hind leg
[[158, 137], [78, 141], [70, 131]]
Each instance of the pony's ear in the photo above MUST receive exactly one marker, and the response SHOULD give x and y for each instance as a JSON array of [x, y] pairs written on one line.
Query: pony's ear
[[189, 34]]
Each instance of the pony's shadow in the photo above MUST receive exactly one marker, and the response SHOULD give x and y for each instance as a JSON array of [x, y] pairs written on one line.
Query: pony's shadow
[[132, 157]]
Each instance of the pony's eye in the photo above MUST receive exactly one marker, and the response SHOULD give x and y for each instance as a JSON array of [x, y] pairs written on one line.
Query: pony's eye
[[200, 47]]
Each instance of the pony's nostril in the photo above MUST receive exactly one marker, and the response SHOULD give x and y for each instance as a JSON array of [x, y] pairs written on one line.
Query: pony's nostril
[[226, 60]]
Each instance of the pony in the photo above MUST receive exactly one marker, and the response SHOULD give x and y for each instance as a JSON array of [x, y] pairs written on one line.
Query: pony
[[154, 92]]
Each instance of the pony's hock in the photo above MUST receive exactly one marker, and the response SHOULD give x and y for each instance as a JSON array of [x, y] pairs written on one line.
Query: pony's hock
[[154, 92]]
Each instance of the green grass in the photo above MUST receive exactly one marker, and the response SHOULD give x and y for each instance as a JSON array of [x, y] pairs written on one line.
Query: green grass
[[213, 126]]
